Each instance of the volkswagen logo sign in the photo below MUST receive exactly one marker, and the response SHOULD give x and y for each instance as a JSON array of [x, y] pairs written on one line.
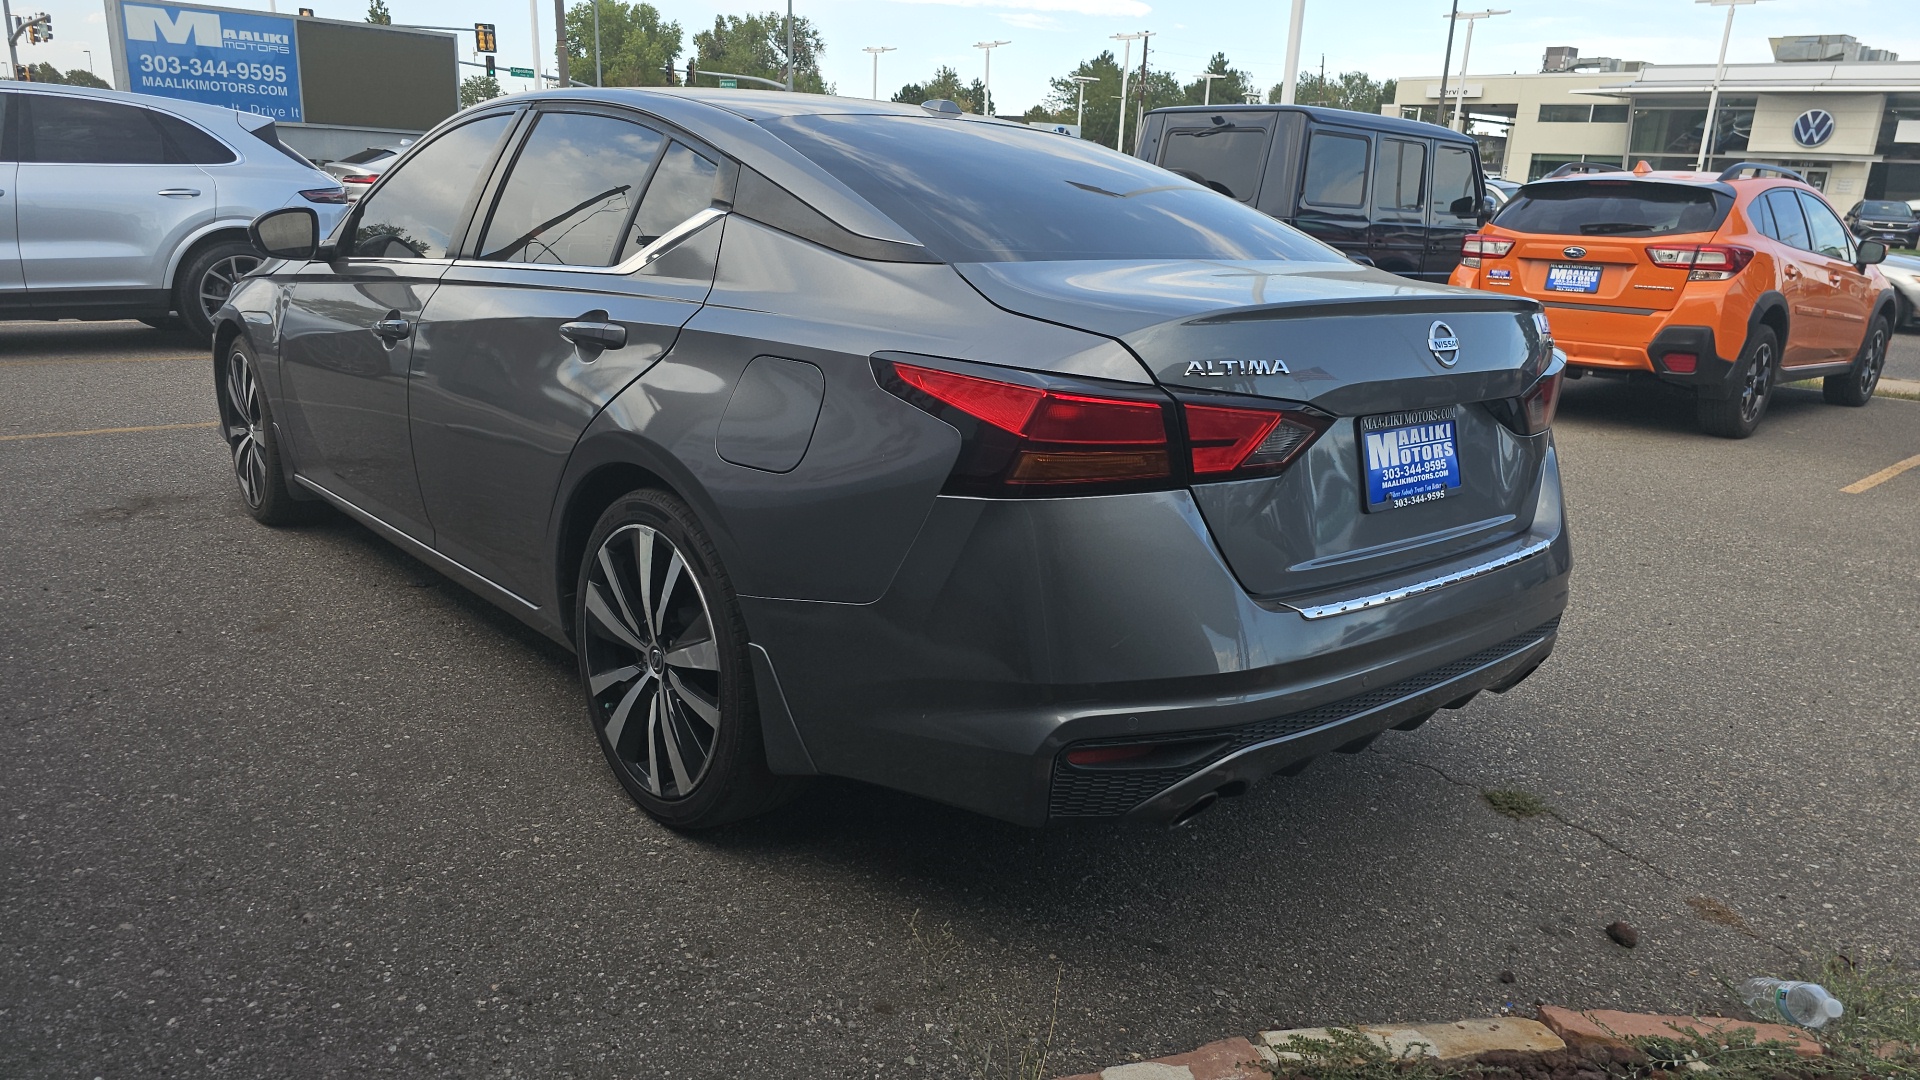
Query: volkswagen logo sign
[[1443, 345], [1574, 252], [1814, 127]]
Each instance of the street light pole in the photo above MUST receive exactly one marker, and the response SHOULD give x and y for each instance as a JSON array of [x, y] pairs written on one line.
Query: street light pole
[[1294, 26], [875, 51], [1466, 53], [789, 46], [1711, 129], [1080, 110], [597, 79], [1206, 79], [533, 16], [986, 108], [1120, 142]]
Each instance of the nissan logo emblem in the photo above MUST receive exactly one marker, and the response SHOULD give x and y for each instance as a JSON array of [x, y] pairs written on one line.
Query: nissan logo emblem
[[1444, 346], [1574, 252]]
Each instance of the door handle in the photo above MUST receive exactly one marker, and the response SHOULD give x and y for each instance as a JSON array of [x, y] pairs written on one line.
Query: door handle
[[180, 192], [593, 334], [393, 329]]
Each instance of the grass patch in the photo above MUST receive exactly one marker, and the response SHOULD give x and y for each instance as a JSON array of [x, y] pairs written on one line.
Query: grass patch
[[1515, 803]]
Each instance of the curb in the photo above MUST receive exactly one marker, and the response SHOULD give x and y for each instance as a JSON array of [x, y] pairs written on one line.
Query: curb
[[1898, 386], [1557, 1029]]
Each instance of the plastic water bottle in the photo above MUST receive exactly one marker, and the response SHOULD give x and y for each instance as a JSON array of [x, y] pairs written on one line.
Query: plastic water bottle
[[1803, 1003]]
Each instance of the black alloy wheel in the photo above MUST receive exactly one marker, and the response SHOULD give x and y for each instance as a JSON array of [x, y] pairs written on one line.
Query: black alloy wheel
[[1737, 415], [246, 422], [1856, 387]]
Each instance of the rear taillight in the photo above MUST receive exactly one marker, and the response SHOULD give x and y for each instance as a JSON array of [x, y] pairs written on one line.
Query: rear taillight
[[1532, 412], [1703, 262], [1473, 248], [1229, 442], [325, 195], [1023, 438], [358, 179]]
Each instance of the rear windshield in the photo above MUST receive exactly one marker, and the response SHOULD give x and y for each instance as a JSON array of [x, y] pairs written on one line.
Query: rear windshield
[[980, 192], [1887, 211], [1227, 158], [1614, 208]]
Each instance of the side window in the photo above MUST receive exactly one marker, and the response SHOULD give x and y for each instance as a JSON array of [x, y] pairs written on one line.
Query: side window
[[1760, 215], [1402, 173], [1787, 219], [86, 131], [188, 145], [1227, 159], [414, 212], [681, 188], [1455, 188], [1336, 170], [1829, 236], [572, 191]]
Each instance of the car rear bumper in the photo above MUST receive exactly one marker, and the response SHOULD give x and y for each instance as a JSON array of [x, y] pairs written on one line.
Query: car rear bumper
[[1017, 631]]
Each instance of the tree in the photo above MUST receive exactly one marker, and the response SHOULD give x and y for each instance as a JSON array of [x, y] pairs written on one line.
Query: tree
[[757, 45], [945, 84], [1231, 90], [475, 89], [377, 13], [1355, 91], [1103, 98], [637, 47], [83, 77], [44, 72]]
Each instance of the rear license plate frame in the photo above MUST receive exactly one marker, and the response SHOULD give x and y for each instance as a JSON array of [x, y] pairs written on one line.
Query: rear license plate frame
[[1594, 273], [1421, 467]]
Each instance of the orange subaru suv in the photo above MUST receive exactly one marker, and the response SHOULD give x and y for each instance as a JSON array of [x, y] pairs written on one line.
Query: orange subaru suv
[[1725, 284]]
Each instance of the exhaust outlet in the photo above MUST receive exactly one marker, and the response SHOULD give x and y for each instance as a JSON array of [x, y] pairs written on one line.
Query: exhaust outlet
[[1198, 807]]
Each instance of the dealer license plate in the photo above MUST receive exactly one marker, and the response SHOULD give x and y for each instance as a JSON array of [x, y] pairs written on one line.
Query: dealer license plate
[[1410, 457], [1584, 279]]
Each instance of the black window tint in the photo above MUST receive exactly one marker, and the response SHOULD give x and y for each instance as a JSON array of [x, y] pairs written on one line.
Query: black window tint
[[1829, 236], [1761, 215], [84, 131], [414, 213], [571, 192], [1336, 170], [1881, 210], [188, 145], [1787, 219], [1609, 114], [681, 188], [1403, 169], [1614, 208], [1456, 188], [1565, 114], [1229, 159], [977, 192]]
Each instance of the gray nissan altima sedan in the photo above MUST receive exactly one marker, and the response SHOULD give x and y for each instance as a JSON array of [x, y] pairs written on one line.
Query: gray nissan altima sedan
[[846, 438]]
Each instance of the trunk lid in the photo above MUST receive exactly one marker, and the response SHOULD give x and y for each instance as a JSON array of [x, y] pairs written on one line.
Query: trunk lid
[[1349, 341]]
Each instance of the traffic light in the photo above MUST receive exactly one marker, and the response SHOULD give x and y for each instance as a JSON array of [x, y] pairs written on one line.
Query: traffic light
[[46, 28], [489, 65], [483, 40], [307, 12], [25, 72]]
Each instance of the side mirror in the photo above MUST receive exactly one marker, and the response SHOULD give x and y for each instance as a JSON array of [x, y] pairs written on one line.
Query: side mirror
[[1489, 206], [291, 232], [1868, 253], [1356, 257]]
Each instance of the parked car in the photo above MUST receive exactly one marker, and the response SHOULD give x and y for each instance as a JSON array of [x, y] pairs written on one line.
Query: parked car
[[1398, 193], [845, 437], [1501, 190], [125, 206], [357, 171], [1722, 284], [1891, 222], [1903, 273]]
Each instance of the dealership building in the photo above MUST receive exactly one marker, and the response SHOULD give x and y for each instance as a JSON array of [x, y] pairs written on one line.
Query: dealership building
[[1844, 115]]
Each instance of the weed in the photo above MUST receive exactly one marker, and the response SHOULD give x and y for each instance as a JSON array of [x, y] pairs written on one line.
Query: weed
[[1515, 803], [1347, 1054]]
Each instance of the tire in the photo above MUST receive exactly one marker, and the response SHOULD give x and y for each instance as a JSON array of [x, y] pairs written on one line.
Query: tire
[[1855, 388], [246, 422], [1758, 369], [682, 735], [205, 279]]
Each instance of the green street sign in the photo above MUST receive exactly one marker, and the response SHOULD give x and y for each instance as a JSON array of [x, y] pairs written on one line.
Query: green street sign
[[729, 84], [520, 73]]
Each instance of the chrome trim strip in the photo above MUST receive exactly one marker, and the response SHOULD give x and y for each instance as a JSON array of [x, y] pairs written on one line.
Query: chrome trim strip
[[1362, 603], [639, 260], [413, 547]]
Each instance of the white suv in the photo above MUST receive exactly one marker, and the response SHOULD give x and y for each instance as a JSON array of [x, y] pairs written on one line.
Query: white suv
[[125, 206]]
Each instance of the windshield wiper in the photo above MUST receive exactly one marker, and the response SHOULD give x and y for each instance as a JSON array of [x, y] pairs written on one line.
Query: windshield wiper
[[1599, 228]]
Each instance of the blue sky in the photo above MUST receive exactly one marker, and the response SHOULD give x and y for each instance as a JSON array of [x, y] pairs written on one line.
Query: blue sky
[[1385, 38]]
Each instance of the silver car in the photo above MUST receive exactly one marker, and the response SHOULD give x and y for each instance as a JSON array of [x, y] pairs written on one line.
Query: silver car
[[358, 171], [128, 206], [1903, 273]]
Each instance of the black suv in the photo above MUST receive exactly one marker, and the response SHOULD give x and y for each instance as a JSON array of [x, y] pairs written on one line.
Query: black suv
[[1397, 193], [1890, 222]]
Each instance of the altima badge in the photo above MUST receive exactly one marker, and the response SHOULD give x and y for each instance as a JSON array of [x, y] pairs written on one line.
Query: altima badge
[[1443, 345], [1238, 367]]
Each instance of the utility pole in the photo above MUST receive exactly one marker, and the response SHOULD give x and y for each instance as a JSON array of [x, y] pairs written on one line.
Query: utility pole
[[1140, 118], [597, 80], [13, 49], [1466, 53], [875, 51], [789, 45], [563, 63], [1080, 110], [1120, 142], [1446, 65], [1719, 72], [986, 107], [1294, 26], [1206, 81]]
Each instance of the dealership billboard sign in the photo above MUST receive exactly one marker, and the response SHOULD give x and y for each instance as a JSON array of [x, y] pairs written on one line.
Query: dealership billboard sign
[[242, 60]]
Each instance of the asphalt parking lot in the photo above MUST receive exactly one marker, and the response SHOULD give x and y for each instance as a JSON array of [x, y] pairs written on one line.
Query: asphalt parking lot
[[289, 803]]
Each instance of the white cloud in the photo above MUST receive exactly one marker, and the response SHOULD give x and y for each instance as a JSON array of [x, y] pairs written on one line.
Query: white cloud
[[1132, 9], [1030, 21]]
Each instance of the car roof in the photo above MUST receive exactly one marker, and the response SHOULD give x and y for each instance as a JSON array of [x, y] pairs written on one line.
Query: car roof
[[1322, 114], [202, 112], [753, 105]]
